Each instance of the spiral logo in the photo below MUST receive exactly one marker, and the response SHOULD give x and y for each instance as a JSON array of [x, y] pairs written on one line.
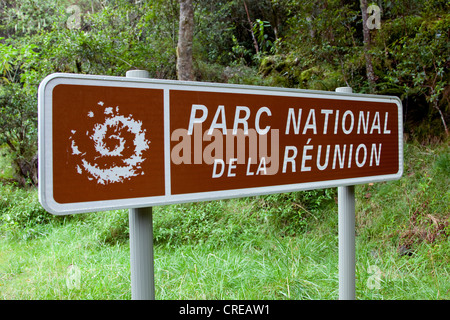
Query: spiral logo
[[112, 151]]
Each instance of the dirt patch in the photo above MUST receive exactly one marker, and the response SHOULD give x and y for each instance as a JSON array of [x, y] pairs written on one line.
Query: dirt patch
[[421, 227]]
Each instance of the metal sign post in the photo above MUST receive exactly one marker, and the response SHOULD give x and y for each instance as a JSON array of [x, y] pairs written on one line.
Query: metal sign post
[[346, 221], [346, 212], [141, 254], [141, 241]]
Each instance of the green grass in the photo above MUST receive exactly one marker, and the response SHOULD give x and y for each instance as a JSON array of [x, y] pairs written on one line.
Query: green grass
[[289, 269], [6, 170], [295, 268], [272, 247], [39, 268]]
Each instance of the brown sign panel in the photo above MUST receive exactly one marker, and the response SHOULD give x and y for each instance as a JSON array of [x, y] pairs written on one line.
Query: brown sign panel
[[305, 140], [109, 142]]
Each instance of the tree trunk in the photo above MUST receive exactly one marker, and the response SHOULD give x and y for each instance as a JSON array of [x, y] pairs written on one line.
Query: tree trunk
[[255, 43], [366, 33], [436, 106], [185, 38]]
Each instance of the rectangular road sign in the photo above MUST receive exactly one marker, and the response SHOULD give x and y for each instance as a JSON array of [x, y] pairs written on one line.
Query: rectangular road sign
[[113, 142]]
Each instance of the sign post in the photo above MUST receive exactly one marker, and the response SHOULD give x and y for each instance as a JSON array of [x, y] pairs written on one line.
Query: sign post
[[346, 225], [133, 142], [346, 221], [141, 241], [141, 254]]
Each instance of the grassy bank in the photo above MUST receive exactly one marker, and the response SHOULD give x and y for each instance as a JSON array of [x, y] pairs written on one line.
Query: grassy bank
[[273, 247]]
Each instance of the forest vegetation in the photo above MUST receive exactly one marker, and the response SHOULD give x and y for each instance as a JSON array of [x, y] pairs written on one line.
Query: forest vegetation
[[297, 44]]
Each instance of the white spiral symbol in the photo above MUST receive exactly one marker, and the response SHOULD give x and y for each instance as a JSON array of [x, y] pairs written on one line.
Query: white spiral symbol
[[118, 145]]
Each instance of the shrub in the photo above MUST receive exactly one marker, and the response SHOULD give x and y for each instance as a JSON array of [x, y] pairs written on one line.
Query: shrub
[[291, 213], [112, 226], [21, 214], [188, 223]]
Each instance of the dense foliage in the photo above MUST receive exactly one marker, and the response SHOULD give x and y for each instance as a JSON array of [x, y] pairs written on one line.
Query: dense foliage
[[301, 44]]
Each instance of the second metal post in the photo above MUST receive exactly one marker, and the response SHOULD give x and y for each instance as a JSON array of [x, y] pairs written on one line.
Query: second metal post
[[346, 212]]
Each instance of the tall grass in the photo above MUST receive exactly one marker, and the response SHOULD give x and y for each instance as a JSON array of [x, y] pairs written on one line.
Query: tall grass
[[270, 247]]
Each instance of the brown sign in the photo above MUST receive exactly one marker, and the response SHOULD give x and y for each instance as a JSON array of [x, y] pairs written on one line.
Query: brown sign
[[118, 143], [109, 144]]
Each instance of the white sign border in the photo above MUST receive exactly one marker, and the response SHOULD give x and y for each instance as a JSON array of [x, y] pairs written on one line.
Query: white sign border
[[46, 152]]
